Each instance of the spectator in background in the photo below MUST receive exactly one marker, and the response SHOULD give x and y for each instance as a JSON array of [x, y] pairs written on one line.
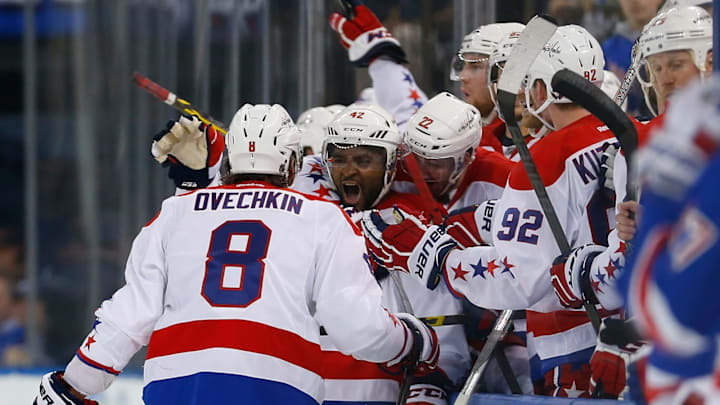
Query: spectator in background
[[618, 47], [597, 16], [12, 333]]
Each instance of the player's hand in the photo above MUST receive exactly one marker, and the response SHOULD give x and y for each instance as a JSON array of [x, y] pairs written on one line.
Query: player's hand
[[409, 246], [567, 271], [471, 226], [54, 390], [422, 349], [191, 149], [615, 344], [607, 166], [626, 220], [364, 36]]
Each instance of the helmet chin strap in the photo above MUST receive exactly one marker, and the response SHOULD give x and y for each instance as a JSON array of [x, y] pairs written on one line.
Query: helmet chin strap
[[536, 112], [388, 179]]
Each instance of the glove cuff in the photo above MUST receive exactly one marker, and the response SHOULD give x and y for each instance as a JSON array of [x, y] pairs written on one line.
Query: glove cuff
[[187, 178], [372, 44], [440, 257], [585, 285]]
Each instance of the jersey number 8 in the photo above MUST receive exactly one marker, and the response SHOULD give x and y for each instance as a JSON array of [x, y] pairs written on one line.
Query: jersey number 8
[[249, 259]]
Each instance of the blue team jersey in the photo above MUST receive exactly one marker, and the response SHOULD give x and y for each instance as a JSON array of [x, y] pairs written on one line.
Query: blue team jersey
[[673, 278]]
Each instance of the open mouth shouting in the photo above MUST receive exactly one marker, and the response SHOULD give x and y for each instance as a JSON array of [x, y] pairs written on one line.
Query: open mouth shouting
[[351, 192]]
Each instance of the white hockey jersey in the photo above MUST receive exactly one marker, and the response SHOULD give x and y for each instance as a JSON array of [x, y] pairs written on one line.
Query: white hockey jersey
[[228, 286], [514, 273], [352, 381]]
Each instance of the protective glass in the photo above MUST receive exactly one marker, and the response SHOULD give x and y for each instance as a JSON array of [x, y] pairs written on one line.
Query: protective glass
[[468, 64], [365, 160]]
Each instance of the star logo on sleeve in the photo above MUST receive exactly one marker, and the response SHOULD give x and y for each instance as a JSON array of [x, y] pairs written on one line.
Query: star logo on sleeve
[[414, 95], [90, 340], [508, 266], [610, 269], [479, 269], [316, 167], [459, 272], [621, 248], [322, 191], [492, 267], [407, 78], [601, 277], [595, 286], [315, 176], [417, 104]]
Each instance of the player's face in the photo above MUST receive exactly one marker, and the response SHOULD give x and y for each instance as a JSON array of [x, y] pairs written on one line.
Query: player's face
[[436, 173], [358, 173], [671, 71], [473, 79]]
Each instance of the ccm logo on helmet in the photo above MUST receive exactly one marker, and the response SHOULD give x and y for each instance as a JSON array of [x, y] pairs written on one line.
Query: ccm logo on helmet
[[426, 248]]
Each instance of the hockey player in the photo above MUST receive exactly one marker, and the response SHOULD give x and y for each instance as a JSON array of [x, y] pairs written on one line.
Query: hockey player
[[473, 68], [677, 45], [246, 324], [513, 274], [360, 153], [670, 283]]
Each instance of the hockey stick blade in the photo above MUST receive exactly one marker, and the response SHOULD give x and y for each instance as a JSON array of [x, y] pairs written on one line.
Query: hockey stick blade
[[348, 9], [591, 98], [531, 42]]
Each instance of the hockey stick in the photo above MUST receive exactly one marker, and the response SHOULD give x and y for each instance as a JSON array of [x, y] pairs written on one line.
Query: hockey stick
[[591, 98], [171, 99], [347, 8], [434, 321], [531, 42]]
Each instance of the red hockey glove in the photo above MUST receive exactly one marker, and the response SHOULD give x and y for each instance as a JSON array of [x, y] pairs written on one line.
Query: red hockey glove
[[364, 36], [471, 226], [566, 272], [409, 246], [617, 342], [191, 149]]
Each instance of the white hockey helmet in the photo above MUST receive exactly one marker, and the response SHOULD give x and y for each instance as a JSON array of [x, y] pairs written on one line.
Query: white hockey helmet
[[610, 85], [482, 40], [361, 124], [571, 47], [499, 56], [263, 139], [312, 123], [445, 127], [680, 28]]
